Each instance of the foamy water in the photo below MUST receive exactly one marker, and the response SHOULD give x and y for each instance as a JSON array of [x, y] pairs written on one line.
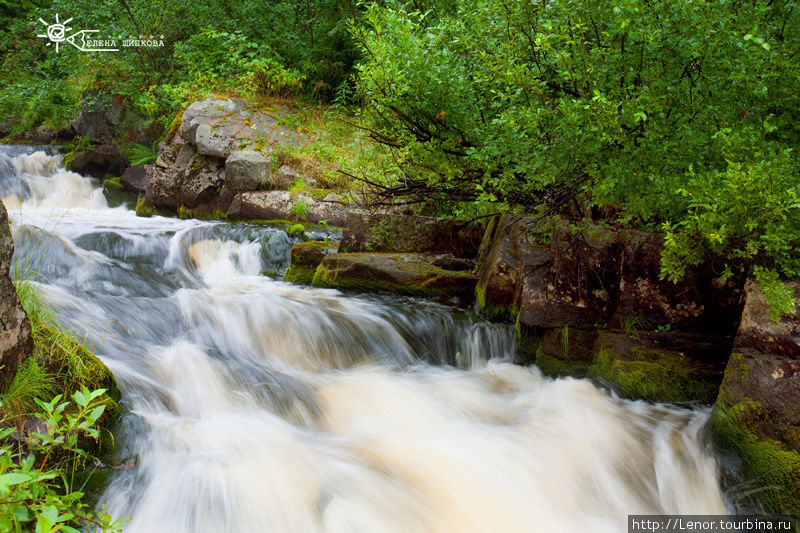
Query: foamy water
[[259, 406]]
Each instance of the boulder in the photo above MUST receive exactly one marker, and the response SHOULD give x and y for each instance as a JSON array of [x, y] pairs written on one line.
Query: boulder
[[247, 170], [756, 419], [133, 179], [284, 178], [306, 257], [702, 302], [410, 233], [265, 205], [410, 274], [162, 188], [100, 161], [202, 181], [272, 205], [16, 341], [210, 141], [639, 368], [216, 126]]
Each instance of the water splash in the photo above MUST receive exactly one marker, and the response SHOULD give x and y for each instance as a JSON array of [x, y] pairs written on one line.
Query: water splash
[[256, 405]]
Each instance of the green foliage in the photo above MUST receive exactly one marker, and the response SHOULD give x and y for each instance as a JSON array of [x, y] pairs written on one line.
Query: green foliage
[[667, 114], [299, 208], [36, 492], [779, 296], [31, 382], [138, 154]]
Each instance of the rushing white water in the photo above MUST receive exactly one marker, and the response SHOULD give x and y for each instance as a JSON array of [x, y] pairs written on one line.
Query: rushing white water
[[258, 406]]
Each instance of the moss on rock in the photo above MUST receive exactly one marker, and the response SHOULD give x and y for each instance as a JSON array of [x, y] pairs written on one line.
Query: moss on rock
[[410, 274], [114, 192], [766, 461], [640, 369]]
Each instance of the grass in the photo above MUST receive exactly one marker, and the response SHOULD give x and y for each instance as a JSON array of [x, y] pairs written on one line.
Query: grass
[[138, 154]]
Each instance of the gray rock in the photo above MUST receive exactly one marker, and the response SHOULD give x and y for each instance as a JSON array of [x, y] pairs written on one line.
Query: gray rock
[[133, 179], [105, 159], [16, 341], [213, 141], [284, 178], [162, 187], [184, 157], [203, 179], [247, 170]]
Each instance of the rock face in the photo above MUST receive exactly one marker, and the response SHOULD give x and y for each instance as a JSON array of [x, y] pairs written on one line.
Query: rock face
[[16, 341], [757, 414], [409, 233], [132, 179], [306, 257], [410, 274], [247, 170], [271, 205], [566, 285], [100, 161], [103, 118]]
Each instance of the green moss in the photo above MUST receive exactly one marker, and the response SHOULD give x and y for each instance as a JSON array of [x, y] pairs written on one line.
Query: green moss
[[300, 274], [552, 366], [297, 231], [143, 210], [114, 192], [654, 375], [492, 312], [527, 342], [319, 194], [765, 461], [422, 278]]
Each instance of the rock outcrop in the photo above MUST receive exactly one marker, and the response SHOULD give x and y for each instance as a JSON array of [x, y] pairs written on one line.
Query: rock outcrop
[[577, 281], [306, 257], [757, 414], [99, 161], [409, 274], [16, 341], [390, 232]]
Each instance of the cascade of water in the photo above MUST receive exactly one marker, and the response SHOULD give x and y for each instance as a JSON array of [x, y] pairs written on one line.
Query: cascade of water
[[255, 405]]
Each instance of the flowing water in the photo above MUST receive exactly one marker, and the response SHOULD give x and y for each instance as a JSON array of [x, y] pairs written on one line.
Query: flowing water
[[257, 406]]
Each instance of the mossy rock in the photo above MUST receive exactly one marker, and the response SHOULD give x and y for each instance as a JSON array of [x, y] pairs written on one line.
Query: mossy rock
[[767, 463], [297, 231], [115, 192], [409, 274], [306, 256], [144, 210], [757, 419], [640, 369]]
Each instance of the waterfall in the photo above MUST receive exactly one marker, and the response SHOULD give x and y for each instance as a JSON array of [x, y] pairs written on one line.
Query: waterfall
[[254, 405]]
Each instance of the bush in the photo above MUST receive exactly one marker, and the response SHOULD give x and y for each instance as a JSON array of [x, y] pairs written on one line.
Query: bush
[[672, 115]]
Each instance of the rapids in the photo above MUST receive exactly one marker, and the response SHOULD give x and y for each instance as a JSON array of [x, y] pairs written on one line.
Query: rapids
[[253, 405]]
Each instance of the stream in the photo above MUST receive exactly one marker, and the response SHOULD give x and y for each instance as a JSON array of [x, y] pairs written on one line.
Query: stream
[[254, 405]]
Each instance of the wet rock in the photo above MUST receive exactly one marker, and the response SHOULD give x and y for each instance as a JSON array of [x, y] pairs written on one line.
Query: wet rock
[[203, 179], [115, 192], [266, 205], [162, 188], [410, 274], [639, 368], [499, 271], [701, 302], [40, 135], [247, 170], [16, 341], [306, 257], [100, 161], [756, 418], [410, 233], [133, 179]]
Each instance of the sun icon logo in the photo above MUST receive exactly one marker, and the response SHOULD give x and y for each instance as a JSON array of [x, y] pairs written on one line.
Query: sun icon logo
[[56, 33]]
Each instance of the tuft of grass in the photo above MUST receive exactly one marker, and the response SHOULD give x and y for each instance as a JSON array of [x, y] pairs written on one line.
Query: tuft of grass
[[31, 383]]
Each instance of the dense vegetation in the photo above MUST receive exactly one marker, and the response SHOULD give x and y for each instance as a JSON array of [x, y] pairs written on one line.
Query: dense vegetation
[[676, 115]]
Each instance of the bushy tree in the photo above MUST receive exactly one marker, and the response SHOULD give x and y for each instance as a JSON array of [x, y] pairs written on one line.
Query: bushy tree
[[673, 114]]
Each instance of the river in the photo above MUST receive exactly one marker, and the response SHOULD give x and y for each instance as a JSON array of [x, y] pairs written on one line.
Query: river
[[253, 405]]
